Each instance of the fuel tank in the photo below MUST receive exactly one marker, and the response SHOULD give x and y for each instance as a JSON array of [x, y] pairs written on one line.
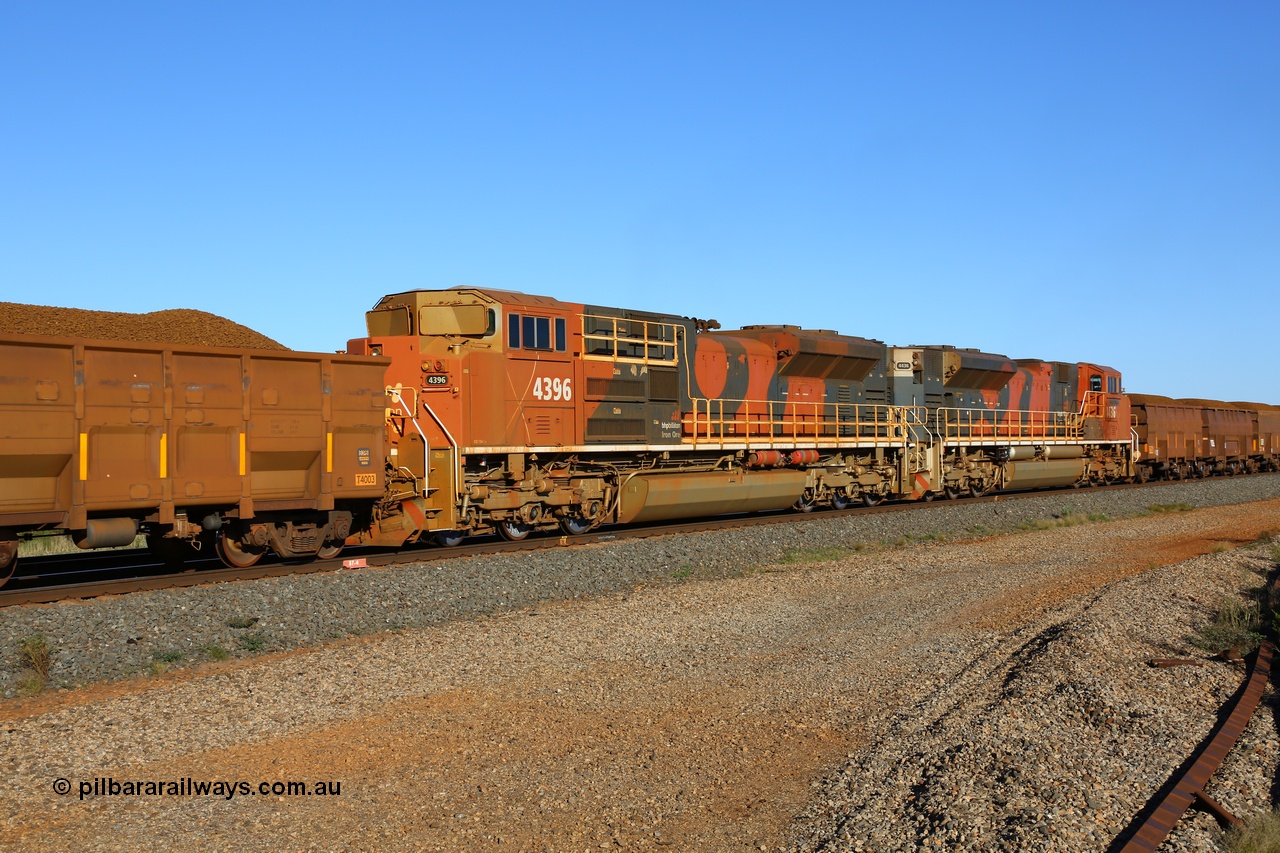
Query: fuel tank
[[1041, 475], [661, 497]]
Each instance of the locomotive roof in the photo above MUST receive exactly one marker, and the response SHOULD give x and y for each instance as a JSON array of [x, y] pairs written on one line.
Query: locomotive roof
[[503, 297]]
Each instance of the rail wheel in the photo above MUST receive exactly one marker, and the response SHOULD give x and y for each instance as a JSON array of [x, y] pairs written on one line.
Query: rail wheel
[[7, 564], [575, 525], [234, 554], [450, 538], [929, 497], [806, 502], [514, 531], [952, 492], [871, 498], [841, 501], [329, 550], [976, 490]]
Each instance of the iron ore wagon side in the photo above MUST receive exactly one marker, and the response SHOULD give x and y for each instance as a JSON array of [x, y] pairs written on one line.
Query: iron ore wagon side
[[245, 450]]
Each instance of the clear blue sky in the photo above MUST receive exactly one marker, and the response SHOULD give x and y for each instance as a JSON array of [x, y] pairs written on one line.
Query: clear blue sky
[[1075, 180]]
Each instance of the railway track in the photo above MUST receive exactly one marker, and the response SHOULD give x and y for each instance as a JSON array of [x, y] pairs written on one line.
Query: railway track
[[45, 580], [1185, 789]]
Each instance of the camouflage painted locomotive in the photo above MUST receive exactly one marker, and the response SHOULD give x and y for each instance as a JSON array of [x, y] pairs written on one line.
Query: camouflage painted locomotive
[[514, 413]]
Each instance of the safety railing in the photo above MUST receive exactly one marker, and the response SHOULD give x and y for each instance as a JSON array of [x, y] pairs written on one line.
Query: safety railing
[[629, 341], [763, 423], [977, 424]]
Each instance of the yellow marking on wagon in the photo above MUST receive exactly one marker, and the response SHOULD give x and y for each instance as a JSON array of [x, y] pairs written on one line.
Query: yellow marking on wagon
[[84, 456]]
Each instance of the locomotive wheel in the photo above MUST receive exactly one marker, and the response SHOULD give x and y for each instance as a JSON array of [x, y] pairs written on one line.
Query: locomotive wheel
[[329, 550], [450, 538], [871, 498], [575, 525], [976, 490], [513, 531], [929, 497], [236, 555], [841, 501], [805, 504], [952, 492]]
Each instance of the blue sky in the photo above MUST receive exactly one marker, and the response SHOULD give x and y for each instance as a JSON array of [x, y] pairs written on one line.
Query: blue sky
[[1075, 181]]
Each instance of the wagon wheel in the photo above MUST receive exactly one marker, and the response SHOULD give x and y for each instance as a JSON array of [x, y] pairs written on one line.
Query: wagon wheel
[[871, 498], [575, 525], [450, 538], [330, 549], [234, 554], [513, 531], [7, 568], [841, 501]]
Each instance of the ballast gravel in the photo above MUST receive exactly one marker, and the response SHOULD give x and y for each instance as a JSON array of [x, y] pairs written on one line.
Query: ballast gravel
[[113, 638], [991, 694]]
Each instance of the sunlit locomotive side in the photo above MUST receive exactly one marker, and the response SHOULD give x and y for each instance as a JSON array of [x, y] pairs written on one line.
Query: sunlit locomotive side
[[513, 413]]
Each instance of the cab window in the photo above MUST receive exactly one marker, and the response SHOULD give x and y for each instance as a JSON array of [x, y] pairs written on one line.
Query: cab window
[[535, 333], [1095, 383]]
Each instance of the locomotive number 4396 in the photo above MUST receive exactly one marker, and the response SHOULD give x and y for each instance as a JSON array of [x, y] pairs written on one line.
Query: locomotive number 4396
[[547, 388]]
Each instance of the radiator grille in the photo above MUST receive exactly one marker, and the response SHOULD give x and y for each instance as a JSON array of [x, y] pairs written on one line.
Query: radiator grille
[[615, 428], [664, 385]]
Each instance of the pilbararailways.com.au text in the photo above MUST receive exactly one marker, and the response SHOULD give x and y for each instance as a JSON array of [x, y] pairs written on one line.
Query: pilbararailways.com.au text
[[188, 787]]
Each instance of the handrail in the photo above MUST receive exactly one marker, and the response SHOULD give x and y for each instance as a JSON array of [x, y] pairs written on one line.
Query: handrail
[[426, 443], [956, 423], [769, 422], [606, 333]]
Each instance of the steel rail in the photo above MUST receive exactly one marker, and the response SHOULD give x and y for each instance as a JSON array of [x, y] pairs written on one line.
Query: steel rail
[[1188, 786], [371, 558]]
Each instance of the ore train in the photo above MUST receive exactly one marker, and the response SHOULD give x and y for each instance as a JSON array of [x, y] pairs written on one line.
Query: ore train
[[472, 411]]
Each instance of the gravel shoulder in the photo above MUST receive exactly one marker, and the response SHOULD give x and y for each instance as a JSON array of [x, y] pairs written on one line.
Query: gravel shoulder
[[695, 692]]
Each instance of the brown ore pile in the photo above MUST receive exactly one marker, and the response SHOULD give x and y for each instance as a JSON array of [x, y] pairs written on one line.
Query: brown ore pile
[[182, 326]]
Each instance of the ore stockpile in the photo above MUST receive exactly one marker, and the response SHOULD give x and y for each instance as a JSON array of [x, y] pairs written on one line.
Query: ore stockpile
[[182, 326]]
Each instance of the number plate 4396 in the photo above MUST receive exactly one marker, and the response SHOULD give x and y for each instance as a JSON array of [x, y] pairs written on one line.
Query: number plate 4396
[[549, 388]]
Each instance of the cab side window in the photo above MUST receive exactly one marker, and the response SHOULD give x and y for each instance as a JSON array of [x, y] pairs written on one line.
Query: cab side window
[[1095, 383], [529, 332]]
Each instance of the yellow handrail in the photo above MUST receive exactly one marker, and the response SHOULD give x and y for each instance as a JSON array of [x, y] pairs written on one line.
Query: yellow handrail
[[953, 423], [768, 422]]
